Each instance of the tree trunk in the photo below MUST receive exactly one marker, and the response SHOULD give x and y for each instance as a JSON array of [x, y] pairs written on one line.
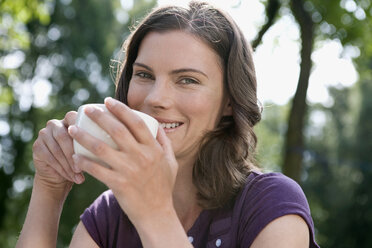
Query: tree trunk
[[294, 140]]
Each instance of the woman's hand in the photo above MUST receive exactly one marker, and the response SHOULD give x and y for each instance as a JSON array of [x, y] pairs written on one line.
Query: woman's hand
[[52, 154], [142, 171]]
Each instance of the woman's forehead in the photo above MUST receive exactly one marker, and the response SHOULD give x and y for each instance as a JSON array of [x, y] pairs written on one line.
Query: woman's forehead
[[177, 48]]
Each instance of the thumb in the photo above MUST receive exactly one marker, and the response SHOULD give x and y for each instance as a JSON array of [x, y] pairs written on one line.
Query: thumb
[[70, 118], [164, 141]]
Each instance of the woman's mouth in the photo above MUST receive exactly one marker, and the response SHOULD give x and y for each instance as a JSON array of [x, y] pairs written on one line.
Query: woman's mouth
[[170, 125]]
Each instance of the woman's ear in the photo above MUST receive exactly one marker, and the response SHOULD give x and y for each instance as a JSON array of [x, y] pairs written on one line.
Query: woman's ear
[[227, 110]]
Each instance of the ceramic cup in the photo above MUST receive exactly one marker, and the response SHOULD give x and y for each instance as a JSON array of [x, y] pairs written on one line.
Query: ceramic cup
[[85, 123]]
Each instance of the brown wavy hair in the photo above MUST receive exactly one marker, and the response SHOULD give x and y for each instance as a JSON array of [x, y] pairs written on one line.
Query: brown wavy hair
[[225, 156]]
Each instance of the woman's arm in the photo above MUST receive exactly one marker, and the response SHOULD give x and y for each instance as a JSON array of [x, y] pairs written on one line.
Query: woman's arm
[[54, 177], [41, 225], [161, 229], [166, 232], [81, 238], [288, 231]]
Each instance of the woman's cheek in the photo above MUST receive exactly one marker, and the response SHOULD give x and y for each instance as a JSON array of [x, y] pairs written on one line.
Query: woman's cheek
[[203, 104], [136, 95]]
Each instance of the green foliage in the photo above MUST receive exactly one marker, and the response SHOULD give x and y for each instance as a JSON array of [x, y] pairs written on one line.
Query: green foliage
[[55, 56], [6, 96], [270, 133], [337, 162], [347, 20], [361, 204], [338, 166], [14, 15], [336, 176]]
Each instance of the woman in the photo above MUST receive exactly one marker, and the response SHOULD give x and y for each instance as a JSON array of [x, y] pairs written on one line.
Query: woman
[[195, 184]]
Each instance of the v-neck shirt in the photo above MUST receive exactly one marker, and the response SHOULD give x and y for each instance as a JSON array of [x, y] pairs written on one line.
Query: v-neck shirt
[[265, 197]]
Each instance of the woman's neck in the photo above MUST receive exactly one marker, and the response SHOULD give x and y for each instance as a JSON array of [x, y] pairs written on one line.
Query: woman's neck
[[185, 196]]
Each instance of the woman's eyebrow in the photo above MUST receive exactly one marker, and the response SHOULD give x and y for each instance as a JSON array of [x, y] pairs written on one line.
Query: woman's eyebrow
[[142, 65], [177, 71], [188, 70]]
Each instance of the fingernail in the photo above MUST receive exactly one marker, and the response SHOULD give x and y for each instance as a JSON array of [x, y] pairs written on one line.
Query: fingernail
[[72, 129], [75, 168], [75, 157], [78, 178], [110, 101], [89, 109]]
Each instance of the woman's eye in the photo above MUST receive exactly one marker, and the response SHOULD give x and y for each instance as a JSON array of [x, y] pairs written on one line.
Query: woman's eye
[[144, 75], [188, 81]]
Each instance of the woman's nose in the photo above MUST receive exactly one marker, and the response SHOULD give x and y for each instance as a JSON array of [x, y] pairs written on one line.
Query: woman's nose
[[160, 95]]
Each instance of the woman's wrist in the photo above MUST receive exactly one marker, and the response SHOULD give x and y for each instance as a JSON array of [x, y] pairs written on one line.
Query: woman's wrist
[[162, 229], [52, 191], [41, 225]]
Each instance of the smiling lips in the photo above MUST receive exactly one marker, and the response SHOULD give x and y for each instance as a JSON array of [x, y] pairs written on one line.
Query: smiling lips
[[170, 125]]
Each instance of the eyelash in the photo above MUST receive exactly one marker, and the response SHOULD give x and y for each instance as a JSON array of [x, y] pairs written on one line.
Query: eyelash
[[193, 81], [145, 75]]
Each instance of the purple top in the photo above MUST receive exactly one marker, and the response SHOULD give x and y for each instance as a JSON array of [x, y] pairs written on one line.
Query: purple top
[[264, 198]]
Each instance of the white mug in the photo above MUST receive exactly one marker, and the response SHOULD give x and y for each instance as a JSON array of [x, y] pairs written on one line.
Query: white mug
[[85, 123]]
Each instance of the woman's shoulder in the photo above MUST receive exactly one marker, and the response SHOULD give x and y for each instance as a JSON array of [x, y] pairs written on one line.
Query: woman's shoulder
[[268, 177], [265, 197], [273, 193], [108, 225], [104, 208], [104, 218], [107, 199], [106, 203], [272, 183]]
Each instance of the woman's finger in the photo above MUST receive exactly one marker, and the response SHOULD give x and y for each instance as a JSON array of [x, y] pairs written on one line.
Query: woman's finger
[[43, 154], [167, 147], [65, 143], [70, 118], [99, 148], [117, 130], [96, 170], [56, 151], [164, 141], [132, 121]]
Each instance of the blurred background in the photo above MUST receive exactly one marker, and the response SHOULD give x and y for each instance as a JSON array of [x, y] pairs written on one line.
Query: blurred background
[[313, 60]]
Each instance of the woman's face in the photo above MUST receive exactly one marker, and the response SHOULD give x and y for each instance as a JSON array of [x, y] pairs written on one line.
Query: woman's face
[[178, 80]]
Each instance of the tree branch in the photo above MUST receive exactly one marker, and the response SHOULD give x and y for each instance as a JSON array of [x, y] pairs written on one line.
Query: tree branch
[[272, 10]]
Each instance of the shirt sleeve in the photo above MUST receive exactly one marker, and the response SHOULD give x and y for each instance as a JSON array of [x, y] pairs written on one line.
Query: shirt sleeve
[[270, 196], [99, 218]]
